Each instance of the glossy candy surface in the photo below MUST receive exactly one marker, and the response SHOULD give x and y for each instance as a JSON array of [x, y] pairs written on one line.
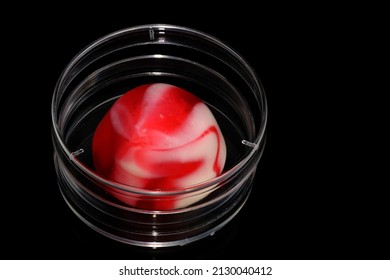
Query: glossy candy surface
[[162, 138]]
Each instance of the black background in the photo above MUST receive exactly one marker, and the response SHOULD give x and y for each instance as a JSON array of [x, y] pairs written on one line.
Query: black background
[[316, 195]]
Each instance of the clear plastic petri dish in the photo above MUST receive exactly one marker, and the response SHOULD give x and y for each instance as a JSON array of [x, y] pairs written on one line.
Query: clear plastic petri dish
[[157, 53]]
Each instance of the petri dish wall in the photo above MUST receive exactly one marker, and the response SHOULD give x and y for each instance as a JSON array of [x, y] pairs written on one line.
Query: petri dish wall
[[157, 53]]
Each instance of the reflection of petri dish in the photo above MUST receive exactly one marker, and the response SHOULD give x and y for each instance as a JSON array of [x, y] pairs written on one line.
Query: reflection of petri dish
[[187, 58]]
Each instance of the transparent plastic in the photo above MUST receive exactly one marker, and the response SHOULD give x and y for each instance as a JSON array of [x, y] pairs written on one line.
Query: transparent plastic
[[98, 75]]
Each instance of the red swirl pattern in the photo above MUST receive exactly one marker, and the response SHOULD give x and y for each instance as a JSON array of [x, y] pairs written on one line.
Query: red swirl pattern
[[158, 137]]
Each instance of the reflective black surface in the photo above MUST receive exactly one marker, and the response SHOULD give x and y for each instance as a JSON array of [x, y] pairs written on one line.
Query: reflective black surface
[[314, 196]]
